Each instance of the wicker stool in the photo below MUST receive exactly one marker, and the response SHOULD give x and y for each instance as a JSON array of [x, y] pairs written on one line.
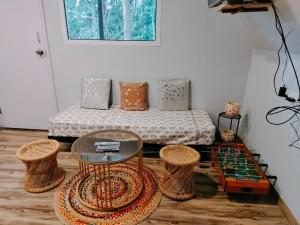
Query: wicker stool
[[41, 165], [177, 182]]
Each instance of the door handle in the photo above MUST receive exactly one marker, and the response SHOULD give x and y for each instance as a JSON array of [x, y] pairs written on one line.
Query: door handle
[[39, 52]]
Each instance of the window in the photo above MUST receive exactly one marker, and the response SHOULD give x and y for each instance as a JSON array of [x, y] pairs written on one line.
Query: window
[[111, 20]]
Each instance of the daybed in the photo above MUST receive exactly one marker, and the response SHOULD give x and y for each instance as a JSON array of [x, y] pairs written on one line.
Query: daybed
[[193, 127]]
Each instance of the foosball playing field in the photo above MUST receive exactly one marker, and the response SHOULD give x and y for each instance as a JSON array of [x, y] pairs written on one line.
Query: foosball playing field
[[239, 172]]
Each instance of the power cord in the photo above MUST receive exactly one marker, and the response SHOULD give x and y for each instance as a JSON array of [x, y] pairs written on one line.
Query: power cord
[[278, 67], [295, 109], [282, 91], [280, 109], [280, 30]]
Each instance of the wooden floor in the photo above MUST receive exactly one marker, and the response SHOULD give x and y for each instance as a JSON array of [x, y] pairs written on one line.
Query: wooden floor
[[211, 205]]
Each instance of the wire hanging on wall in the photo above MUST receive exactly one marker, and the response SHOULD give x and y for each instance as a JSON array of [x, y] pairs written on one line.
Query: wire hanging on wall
[[295, 126], [295, 109]]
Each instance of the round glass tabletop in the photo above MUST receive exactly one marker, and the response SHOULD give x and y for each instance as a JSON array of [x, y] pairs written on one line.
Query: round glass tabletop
[[107, 146]]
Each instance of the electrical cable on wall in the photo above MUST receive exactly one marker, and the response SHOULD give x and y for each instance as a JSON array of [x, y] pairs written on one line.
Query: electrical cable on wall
[[294, 110], [295, 143]]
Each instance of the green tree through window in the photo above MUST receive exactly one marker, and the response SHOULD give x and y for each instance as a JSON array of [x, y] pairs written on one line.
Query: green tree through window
[[111, 19]]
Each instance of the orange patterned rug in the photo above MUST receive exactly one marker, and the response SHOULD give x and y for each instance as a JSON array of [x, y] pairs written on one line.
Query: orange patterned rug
[[69, 209]]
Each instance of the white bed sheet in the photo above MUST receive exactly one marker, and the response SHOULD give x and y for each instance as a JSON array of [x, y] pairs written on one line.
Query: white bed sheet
[[153, 126]]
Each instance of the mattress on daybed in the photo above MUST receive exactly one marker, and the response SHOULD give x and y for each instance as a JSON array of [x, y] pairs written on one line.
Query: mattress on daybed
[[153, 126]]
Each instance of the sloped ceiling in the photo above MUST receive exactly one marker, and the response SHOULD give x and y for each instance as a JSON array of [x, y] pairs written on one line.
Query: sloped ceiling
[[261, 26]]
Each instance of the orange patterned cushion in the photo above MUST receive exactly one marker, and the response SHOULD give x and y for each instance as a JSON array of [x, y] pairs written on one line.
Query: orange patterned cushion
[[134, 96]]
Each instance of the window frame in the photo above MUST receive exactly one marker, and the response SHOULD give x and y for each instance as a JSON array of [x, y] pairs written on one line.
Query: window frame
[[156, 42]]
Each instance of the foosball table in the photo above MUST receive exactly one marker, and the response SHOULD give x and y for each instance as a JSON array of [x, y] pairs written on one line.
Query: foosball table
[[239, 171]]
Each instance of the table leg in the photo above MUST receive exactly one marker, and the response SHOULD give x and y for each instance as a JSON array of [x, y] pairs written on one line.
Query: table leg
[[140, 163], [81, 170], [105, 187], [101, 177], [96, 186], [100, 185], [109, 187]]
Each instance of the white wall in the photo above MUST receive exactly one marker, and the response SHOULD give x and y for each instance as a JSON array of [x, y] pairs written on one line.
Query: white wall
[[210, 49], [271, 141], [261, 26]]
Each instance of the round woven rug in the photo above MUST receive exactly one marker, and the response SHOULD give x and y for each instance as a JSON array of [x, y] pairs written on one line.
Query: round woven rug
[[70, 210]]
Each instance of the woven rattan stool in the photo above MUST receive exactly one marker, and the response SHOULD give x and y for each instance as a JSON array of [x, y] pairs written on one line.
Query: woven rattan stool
[[39, 157], [177, 182]]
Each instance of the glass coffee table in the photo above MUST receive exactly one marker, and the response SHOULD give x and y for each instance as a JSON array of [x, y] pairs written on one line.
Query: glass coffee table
[[103, 184]]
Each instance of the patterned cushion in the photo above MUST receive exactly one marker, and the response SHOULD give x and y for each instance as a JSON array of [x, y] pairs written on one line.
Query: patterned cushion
[[174, 95], [95, 93], [134, 96]]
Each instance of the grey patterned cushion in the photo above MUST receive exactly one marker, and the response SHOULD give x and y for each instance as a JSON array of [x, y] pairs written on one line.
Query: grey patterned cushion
[[95, 92], [174, 95]]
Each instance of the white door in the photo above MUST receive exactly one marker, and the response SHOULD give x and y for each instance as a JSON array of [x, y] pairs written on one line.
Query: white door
[[27, 97]]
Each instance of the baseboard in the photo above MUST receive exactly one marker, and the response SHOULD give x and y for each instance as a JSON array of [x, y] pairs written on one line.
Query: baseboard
[[287, 212]]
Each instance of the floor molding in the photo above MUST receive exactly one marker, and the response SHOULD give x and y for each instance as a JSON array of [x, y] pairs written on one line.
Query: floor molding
[[287, 212]]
